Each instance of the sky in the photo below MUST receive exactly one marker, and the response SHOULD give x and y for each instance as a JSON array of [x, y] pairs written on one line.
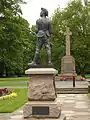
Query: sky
[[31, 10]]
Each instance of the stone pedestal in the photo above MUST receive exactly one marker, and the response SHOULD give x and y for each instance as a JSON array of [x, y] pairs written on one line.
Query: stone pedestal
[[41, 95], [42, 109], [68, 66]]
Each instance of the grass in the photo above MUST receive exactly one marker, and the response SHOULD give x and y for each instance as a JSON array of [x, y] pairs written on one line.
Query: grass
[[89, 95], [7, 83], [87, 76], [14, 79], [8, 106], [19, 81]]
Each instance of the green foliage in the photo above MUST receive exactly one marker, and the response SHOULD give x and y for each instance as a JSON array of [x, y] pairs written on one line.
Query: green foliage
[[77, 18], [10, 7], [15, 39]]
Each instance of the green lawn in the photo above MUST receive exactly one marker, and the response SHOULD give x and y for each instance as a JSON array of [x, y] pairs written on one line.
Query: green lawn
[[87, 76], [14, 79], [89, 95], [7, 106], [7, 83], [19, 81], [2, 85]]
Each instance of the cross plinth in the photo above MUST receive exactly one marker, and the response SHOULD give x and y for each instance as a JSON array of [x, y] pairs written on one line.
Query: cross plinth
[[67, 34]]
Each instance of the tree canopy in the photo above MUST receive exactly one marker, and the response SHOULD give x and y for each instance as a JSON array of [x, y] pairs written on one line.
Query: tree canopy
[[17, 44], [14, 38], [77, 18]]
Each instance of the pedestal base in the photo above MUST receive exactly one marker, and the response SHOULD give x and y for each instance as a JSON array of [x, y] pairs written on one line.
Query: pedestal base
[[61, 117], [68, 65], [41, 109], [67, 76], [42, 95], [68, 68]]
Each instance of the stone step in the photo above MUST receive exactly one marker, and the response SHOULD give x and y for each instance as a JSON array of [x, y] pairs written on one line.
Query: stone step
[[20, 117], [71, 90]]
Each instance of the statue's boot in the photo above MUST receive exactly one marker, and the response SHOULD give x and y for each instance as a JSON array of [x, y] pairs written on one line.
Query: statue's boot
[[33, 63], [49, 59], [50, 63]]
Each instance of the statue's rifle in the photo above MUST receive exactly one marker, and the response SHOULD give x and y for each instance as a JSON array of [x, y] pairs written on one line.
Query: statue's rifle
[[34, 33]]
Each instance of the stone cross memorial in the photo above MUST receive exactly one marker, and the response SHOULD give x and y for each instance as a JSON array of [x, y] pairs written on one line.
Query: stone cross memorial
[[68, 33], [68, 61]]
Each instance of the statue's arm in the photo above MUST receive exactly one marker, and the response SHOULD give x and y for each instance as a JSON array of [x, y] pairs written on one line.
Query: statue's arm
[[37, 27], [50, 27]]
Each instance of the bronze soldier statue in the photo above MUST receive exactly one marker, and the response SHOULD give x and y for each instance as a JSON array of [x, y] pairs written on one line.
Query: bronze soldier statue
[[43, 32]]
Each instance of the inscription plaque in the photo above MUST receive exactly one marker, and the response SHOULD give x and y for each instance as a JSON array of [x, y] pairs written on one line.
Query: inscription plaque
[[40, 110]]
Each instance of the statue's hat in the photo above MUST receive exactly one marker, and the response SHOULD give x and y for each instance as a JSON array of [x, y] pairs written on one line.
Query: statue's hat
[[45, 11]]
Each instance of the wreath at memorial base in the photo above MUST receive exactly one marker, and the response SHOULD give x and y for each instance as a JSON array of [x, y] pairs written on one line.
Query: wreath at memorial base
[[7, 94]]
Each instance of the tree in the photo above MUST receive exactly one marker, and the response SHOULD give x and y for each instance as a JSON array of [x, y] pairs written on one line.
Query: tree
[[14, 38], [76, 17], [10, 6]]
